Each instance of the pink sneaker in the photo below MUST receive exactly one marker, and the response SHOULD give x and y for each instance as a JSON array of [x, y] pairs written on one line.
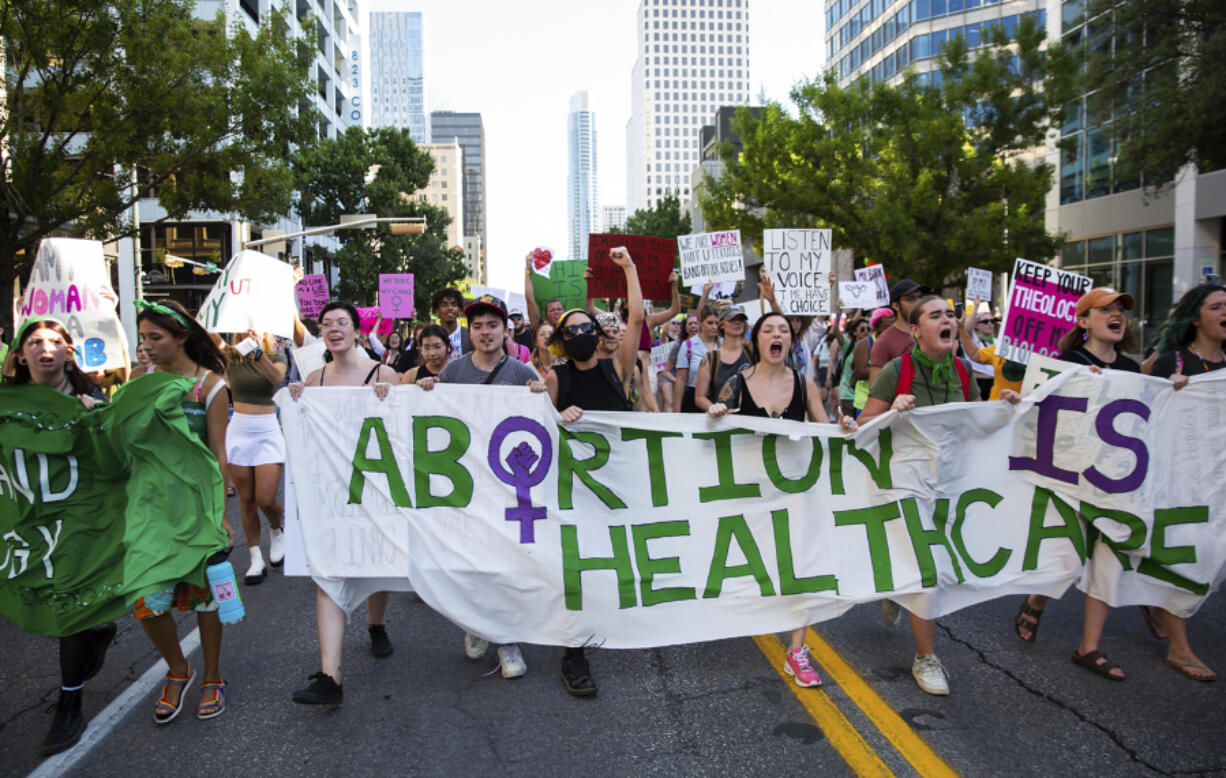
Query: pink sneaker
[[798, 663]]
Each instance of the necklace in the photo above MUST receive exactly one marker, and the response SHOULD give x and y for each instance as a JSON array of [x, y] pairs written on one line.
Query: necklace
[[1203, 362]]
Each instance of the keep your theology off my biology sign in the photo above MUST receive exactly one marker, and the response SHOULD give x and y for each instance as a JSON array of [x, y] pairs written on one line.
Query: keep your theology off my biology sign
[[640, 530]]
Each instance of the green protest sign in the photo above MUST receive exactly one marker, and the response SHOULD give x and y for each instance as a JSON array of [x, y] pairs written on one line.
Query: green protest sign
[[565, 283], [98, 508]]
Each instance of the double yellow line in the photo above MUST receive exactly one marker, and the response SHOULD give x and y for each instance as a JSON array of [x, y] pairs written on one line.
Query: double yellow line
[[848, 742]]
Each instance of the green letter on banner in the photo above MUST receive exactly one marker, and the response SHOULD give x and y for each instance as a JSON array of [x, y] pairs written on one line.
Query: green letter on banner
[[1136, 532], [874, 520], [770, 460], [568, 467], [922, 540], [998, 560], [648, 567], [788, 582], [727, 488], [445, 463], [574, 565], [386, 464], [655, 460], [1069, 528], [879, 471], [730, 526], [1161, 555]]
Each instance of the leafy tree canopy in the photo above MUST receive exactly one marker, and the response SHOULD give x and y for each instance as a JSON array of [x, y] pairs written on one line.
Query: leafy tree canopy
[[666, 220]]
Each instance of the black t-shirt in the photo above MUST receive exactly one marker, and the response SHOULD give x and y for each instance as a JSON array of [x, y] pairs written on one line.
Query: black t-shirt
[[524, 338], [1080, 356], [1168, 363]]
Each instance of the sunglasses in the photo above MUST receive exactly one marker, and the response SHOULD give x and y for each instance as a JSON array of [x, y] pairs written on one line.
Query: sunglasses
[[571, 330]]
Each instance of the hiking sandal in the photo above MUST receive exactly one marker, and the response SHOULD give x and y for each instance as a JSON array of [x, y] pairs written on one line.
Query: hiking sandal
[[1031, 624], [1091, 662]]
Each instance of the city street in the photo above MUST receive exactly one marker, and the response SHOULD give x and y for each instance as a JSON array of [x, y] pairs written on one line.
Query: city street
[[716, 708]]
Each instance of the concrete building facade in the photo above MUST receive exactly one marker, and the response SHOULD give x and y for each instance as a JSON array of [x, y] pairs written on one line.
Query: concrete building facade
[[612, 217], [581, 184], [445, 188]]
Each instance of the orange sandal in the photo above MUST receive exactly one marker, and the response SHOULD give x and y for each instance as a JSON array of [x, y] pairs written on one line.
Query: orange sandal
[[165, 711], [215, 707]]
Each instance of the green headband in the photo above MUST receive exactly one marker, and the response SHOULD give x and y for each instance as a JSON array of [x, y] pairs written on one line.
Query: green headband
[[28, 324], [145, 305]]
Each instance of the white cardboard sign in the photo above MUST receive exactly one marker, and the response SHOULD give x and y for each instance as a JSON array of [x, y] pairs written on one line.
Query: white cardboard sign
[[798, 263], [978, 284], [714, 256], [875, 274], [254, 292]]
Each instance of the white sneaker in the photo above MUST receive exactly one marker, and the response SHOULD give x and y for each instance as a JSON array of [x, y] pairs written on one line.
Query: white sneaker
[[255, 573], [930, 674], [891, 613], [474, 647], [512, 661], [276, 547]]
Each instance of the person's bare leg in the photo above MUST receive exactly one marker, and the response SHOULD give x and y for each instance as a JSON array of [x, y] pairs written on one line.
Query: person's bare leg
[[1030, 624], [1092, 629], [244, 482], [1180, 650], [164, 634], [376, 607], [924, 631], [798, 638], [267, 479], [330, 623], [210, 644]]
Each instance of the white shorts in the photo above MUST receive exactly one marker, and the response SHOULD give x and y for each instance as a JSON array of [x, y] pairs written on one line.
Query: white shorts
[[254, 439]]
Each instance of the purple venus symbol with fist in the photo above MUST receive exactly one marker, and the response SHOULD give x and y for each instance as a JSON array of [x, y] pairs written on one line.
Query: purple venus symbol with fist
[[521, 473]]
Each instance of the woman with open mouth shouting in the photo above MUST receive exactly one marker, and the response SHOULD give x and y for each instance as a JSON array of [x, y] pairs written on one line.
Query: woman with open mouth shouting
[[768, 387], [928, 375]]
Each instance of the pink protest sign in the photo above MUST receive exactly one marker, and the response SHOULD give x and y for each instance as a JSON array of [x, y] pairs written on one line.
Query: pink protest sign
[[367, 317], [312, 292], [396, 295], [1042, 309]]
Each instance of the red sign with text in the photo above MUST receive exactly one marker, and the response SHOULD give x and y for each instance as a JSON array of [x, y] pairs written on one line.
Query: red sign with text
[[653, 259]]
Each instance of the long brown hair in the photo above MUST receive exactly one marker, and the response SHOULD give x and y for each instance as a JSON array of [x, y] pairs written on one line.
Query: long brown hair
[[18, 372], [198, 345]]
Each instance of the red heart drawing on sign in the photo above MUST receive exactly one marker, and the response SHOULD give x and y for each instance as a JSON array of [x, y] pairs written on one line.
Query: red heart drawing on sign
[[541, 258]]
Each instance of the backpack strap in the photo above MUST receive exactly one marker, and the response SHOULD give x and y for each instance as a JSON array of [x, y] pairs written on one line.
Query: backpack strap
[[1179, 360], [906, 374], [964, 376]]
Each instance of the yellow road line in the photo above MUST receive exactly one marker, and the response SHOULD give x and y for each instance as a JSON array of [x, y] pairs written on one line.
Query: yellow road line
[[912, 747], [838, 730]]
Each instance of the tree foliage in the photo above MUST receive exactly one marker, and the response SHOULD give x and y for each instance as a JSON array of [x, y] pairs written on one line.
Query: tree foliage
[[924, 179], [97, 88], [1155, 71], [666, 220], [332, 178]]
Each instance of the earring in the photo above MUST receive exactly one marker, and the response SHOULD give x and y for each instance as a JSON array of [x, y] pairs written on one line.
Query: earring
[[1085, 335]]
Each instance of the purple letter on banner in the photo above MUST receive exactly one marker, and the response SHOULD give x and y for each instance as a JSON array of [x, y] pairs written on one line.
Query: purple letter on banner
[[1045, 438]]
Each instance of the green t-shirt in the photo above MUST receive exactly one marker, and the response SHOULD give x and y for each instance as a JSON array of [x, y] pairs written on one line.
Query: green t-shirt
[[922, 386]]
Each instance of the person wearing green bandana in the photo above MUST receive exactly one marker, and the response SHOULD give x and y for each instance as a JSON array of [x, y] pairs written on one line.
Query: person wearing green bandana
[[928, 375]]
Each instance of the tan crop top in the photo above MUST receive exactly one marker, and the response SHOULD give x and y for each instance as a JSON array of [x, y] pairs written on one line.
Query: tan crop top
[[248, 384]]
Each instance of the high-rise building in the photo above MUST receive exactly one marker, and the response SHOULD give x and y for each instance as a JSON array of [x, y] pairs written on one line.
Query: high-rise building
[[692, 58], [397, 73], [581, 199], [468, 130], [612, 217], [445, 188], [710, 137]]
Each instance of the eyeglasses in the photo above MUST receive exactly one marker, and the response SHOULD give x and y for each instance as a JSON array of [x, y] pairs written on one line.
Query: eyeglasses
[[571, 330]]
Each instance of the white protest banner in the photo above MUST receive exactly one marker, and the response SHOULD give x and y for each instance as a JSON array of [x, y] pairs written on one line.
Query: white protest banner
[[254, 292], [723, 290], [70, 281], [1041, 369], [876, 275], [857, 294], [711, 256], [637, 530], [1042, 307], [798, 263], [978, 284]]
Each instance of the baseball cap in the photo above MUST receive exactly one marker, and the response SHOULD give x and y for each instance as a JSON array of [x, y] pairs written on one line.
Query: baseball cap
[[1101, 296], [879, 314], [486, 302], [515, 314], [906, 287], [731, 312]]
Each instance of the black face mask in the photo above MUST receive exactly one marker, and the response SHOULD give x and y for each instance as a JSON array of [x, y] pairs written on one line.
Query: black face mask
[[581, 347]]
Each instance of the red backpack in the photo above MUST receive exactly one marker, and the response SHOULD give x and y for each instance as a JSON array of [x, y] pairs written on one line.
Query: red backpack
[[906, 374]]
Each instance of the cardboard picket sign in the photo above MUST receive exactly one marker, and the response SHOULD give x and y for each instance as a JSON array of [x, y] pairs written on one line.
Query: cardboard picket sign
[[721, 290], [70, 281], [978, 284], [798, 264], [711, 256], [1040, 370], [254, 292], [396, 295], [367, 318], [653, 262], [308, 359], [565, 283], [1042, 307], [542, 260], [312, 293], [857, 294], [875, 274], [476, 291]]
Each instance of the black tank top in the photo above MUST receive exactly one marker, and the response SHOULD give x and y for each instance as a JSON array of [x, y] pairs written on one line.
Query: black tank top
[[796, 406], [592, 389], [423, 371]]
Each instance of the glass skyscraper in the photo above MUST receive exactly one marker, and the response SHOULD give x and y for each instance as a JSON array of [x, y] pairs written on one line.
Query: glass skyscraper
[[468, 130], [397, 73], [582, 212]]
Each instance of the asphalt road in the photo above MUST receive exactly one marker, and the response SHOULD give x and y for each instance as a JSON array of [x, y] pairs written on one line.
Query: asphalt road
[[717, 708]]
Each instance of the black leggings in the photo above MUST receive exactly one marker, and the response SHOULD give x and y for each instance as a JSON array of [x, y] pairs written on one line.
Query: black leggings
[[75, 656]]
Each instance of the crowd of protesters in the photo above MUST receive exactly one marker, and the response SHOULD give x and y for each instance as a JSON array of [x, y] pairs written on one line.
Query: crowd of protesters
[[846, 369]]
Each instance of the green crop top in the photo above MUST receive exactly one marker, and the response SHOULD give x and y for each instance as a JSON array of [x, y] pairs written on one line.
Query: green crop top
[[248, 384]]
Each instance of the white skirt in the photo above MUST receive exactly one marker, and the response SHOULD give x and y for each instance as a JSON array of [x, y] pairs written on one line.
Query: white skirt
[[254, 439]]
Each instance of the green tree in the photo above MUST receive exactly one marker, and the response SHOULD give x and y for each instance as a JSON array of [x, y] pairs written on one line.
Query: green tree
[[924, 179], [98, 88], [666, 220], [1154, 75], [334, 178]]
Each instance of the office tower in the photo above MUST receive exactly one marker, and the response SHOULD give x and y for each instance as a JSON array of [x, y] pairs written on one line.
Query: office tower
[[693, 57], [445, 188], [612, 217], [581, 210], [397, 73], [468, 130]]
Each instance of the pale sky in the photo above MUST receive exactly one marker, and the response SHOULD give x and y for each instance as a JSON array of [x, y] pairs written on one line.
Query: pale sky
[[519, 63]]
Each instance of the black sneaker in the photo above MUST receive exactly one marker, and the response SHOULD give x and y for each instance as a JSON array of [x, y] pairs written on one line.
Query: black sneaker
[[322, 691], [380, 645], [100, 638], [68, 724], [576, 674]]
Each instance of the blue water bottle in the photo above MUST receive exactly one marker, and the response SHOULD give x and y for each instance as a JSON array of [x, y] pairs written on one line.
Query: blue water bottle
[[225, 589]]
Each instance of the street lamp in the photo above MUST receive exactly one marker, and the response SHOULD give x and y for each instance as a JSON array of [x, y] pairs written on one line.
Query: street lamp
[[400, 225]]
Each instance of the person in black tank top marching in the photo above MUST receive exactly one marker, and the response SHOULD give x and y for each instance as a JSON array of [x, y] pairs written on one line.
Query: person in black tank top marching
[[769, 388], [587, 382]]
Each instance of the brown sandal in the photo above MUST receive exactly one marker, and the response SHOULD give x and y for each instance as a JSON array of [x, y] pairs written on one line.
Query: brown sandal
[[1020, 621], [1104, 667]]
